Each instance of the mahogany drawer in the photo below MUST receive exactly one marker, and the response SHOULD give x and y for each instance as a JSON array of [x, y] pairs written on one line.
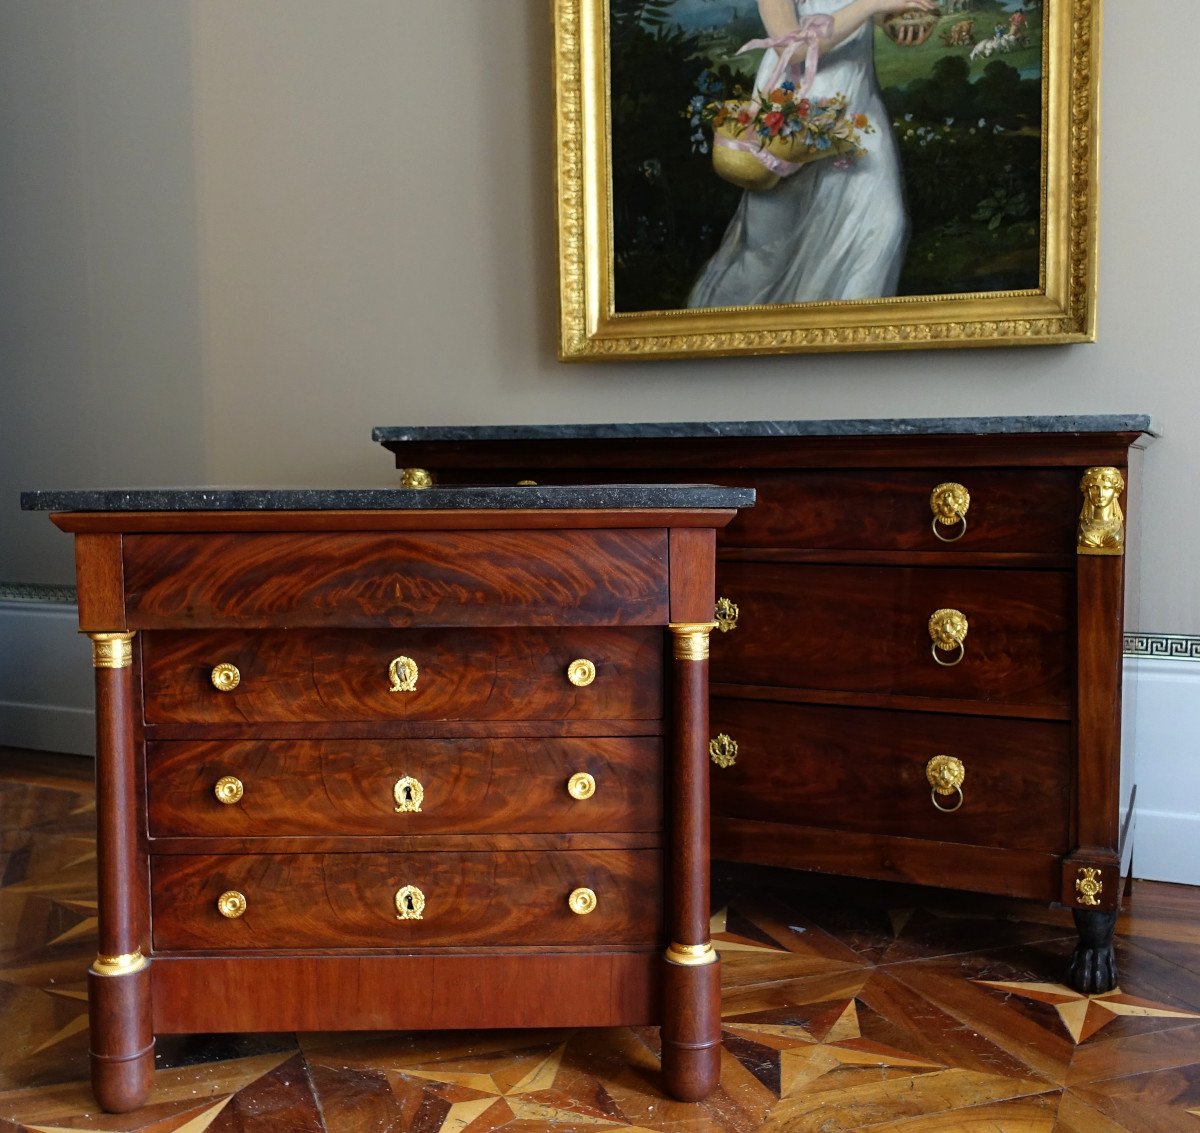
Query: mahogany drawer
[[864, 770], [1030, 510], [865, 631], [601, 577], [471, 899], [347, 675], [258, 788]]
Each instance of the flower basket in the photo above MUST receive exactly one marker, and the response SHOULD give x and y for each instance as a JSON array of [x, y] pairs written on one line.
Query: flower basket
[[910, 29], [748, 153], [747, 169]]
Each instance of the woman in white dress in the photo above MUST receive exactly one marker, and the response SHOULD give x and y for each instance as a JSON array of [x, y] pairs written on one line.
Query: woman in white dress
[[825, 232]]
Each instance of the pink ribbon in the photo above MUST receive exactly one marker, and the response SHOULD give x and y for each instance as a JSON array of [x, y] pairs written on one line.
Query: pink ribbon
[[765, 157], [811, 31]]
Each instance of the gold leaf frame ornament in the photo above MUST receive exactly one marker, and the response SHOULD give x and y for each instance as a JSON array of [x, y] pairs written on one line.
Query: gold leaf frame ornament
[[1060, 309]]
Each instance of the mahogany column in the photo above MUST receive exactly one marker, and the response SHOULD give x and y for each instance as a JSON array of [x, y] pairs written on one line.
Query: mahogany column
[[691, 1030], [122, 1042]]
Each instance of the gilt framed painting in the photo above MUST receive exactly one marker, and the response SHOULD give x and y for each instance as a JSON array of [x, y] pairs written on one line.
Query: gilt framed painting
[[777, 176]]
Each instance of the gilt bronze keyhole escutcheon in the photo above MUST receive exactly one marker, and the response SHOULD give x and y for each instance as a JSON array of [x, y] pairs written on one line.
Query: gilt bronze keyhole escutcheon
[[408, 795], [727, 614], [410, 903], [723, 750], [402, 675]]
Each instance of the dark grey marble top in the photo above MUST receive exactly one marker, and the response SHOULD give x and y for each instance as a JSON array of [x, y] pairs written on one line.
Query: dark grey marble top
[[883, 427], [541, 497]]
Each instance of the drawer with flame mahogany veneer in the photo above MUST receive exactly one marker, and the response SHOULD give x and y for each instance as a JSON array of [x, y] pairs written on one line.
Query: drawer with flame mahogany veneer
[[866, 770], [827, 511], [445, 899], [253, 788], [230, 676], [799, 629]]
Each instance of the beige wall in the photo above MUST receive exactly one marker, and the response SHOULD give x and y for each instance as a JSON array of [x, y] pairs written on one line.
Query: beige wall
[[239, 233]]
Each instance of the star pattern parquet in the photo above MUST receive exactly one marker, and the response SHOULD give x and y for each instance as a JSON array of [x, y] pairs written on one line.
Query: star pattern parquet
[[847, 1007]]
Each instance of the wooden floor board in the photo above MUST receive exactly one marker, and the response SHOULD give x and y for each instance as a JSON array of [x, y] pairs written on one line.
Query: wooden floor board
[[848, 1006]]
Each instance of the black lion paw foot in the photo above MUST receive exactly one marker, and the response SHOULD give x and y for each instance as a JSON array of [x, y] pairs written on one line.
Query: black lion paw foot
[[1092, 970], [1093, 966]]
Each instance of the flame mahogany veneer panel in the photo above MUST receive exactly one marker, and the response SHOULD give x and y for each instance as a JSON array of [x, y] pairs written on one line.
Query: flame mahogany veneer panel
[[505, 578], [307, 788], [887, 509], [342, 675], [864, 770], [864, 629], [472, 899]]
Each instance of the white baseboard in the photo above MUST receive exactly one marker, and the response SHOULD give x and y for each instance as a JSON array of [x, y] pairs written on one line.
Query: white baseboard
[[47, 697], [47, 703], [1165, 847], [48, 727], [1166, 731]]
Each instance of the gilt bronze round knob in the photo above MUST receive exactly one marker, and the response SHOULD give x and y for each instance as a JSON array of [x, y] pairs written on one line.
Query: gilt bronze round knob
[[581, 786], [581, 672], [582, 901], [225, 677], [228, 790], [231, 904]]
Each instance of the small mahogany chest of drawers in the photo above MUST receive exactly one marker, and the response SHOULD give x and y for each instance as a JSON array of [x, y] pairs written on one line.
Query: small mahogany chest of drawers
[[919, 676], [400, 760]]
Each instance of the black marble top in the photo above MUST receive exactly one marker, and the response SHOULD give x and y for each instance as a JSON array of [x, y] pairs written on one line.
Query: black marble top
[[883, 427], [541, 497]]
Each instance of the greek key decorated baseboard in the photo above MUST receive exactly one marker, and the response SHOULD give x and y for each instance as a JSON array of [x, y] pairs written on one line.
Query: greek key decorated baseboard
[[35, 592], [1172, 646]]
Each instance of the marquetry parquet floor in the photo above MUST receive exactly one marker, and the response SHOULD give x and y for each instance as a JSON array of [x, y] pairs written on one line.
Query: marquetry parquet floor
[[847, 1006]]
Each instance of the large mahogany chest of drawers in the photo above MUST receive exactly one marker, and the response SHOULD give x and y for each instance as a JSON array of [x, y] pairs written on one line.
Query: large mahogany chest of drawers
[[920, 674], [400, 760]]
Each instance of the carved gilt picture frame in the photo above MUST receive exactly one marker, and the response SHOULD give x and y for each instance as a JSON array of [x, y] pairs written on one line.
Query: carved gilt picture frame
[[990, 111]]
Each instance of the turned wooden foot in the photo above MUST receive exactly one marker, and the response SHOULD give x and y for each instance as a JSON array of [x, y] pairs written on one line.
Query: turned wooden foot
[[691, 1030], [122, 1046], [1093, 965]]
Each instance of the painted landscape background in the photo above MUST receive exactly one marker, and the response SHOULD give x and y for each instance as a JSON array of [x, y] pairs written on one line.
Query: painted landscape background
[[969, 130]]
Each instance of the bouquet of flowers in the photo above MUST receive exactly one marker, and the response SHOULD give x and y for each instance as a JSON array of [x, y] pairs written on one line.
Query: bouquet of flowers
[[760, 140]]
